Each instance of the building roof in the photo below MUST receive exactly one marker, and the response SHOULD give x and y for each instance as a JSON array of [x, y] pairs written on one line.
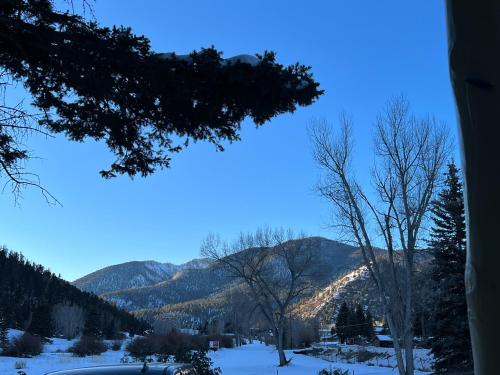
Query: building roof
[[383, 337]]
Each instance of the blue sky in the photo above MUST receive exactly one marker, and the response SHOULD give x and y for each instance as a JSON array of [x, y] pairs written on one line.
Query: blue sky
[[362, 53]]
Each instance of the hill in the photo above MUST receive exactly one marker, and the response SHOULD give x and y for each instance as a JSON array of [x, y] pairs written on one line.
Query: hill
[[192, 296], [34, 299], [135, 274]]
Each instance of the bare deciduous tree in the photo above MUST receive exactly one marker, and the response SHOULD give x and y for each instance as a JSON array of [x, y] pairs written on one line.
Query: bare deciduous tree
[[410, 155], [275, 269], [68, 319]]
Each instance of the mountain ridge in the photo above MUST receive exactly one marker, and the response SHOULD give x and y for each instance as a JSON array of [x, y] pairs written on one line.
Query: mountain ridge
[[133, 274], [205, 292], [191, 291]]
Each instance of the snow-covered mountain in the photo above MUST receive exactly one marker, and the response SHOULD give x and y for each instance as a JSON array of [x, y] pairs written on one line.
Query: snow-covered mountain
[[192, 289], [354, 287], [136, 274], [200, 290]]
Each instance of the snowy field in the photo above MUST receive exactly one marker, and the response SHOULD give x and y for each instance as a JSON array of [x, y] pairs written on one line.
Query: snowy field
[[422, 357], [252, 359], [53, 358], [258, 359]]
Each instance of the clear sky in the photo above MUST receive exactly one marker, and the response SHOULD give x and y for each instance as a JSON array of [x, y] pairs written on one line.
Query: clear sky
[[362, 52]]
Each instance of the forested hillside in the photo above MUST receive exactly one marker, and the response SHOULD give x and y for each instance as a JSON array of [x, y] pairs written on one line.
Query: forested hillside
[[331, 259], [34, 299]]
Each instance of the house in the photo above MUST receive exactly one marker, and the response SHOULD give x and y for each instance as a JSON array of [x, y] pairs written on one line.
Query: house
[[325, 333], [384, 341]]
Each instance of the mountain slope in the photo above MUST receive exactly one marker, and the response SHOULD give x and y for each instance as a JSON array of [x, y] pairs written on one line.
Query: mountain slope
[[135, 274], [194, 296], [195, 288], [34, 299], [354, 287]]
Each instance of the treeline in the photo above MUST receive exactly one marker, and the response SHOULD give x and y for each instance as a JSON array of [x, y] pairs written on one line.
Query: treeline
[[353, 322], [35, 300]]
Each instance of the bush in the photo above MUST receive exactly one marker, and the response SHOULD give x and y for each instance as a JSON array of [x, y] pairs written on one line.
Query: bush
[[20, 365], [116, 345], [116, 336], [142, 347], [227, 342], [333, 371], [88, 345], [173, 344], [365, 355], [203, 364], [26, 345]]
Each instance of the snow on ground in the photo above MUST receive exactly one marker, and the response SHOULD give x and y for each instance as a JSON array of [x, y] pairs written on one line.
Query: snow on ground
[[53, 358], [258, 359], [422, 357], [252, 359]]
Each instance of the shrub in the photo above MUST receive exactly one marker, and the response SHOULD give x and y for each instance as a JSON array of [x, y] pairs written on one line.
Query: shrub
[[364, 355], [203, 364], [20, 365], [227, 342], [115, 336], [120, 336], [305, 337], [26, 345], [333, 371], [88, 345], [173, 344], [116, 345], [142, 347]]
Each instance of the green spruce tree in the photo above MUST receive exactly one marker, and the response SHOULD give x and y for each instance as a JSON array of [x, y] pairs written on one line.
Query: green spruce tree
[[451, 344], [368, 331], [4, 339], [93, 324], [359, 321], [342, 322], [147, 106], [41, 323]]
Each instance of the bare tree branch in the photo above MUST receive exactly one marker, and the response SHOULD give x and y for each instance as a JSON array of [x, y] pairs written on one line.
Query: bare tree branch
[[273, 265], [410, 154]]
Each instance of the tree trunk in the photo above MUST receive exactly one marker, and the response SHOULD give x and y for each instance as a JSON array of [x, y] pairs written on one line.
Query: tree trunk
[[423, 327], [397, 348], [408, 344], [279, 346], [408, 319]]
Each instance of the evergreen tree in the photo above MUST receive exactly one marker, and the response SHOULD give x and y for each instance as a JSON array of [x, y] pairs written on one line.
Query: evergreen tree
[[146, 106], [41, 323], [451, 344], [368, 331], [28, 293], [93, 324], [4, 339], [111, 329], [359, 321], [203, 364], [342, 322]]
